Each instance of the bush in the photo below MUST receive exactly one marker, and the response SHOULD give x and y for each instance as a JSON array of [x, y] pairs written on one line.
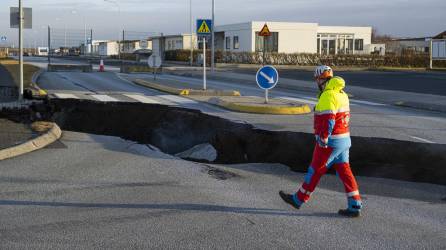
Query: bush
[[303, 59]]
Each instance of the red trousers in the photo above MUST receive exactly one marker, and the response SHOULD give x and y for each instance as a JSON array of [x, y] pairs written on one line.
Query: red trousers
[[323, 160]]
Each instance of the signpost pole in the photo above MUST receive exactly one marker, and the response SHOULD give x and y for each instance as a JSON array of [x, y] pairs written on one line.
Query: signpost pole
[[431, 54], [49, 44], [204, 63], [264, 51], [154, 70], [266, 96], [213, 37], [20, 50]]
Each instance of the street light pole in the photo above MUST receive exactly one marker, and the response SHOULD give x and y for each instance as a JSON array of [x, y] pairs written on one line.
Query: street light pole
[[191, 35], [20, 50], [213, 38]]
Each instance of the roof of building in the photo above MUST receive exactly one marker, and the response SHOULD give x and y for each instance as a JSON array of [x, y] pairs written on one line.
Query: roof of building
[[442, 35]]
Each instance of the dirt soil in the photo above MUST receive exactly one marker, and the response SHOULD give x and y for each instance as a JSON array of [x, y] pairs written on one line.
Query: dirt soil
[[12, 133]]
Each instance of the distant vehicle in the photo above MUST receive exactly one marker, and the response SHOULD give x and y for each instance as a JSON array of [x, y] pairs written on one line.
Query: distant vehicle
[[42, 51], [26, 54]]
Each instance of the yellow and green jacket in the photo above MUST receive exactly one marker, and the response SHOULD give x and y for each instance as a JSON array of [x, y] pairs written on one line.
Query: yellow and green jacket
[[332, 112]]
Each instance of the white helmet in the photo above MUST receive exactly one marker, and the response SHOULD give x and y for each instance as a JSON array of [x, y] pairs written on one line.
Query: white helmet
[[323, 72]]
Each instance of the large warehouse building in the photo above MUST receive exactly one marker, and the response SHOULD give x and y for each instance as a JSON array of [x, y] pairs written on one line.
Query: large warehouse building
[[296, 38]]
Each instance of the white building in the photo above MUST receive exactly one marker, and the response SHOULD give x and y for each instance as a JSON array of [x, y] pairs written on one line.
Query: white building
[[173, 42], [294, 38], [130, 46], [108, 48]]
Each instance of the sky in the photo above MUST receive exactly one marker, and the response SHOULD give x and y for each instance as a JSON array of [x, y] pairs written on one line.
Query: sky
[[400, 18]]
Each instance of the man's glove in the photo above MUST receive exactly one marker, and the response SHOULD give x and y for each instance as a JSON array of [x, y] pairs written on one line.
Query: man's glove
[[323, 142]]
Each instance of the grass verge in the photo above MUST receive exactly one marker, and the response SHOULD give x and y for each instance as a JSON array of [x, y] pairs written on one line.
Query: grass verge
[[13, 68]]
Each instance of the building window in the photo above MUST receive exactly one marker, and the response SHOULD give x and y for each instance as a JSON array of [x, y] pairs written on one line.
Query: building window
[[179, 44], [272, 42], [236, 43], [359, 44], [228, 43]]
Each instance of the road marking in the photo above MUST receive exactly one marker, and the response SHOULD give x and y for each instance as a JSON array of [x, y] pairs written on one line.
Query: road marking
[[142, 99], [104, 98], [177, 99], [368, 103], [65, 96], [298, 100], [421, 139]]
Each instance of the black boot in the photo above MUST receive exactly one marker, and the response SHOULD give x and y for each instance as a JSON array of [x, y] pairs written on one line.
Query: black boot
[[288, 198], [349, 213]]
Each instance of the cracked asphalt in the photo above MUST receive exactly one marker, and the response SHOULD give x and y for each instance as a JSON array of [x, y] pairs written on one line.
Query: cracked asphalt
[[96, 192]]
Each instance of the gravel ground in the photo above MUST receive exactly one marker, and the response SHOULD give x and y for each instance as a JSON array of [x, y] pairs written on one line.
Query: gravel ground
[[13, 133]]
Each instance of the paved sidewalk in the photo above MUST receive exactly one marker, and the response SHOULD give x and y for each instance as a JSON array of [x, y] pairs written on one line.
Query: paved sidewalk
[[12, 134]]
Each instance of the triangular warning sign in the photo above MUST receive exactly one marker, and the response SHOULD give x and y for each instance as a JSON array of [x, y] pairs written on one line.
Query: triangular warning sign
[[204, 28], [265, 31]]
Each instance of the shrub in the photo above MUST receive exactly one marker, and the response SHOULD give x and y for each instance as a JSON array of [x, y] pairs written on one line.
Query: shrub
[[306, 59]]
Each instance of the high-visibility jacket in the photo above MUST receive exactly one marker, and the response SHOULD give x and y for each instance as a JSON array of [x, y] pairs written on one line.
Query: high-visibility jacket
[[332, 112]]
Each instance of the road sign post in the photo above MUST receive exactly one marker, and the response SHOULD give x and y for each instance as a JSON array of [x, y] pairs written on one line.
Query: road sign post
[[154, 62], [204, 63], [204, 29], [267, 78], [21, 18], [265, 32]]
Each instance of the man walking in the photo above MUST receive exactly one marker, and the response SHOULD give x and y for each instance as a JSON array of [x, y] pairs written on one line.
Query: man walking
[[331, 128]]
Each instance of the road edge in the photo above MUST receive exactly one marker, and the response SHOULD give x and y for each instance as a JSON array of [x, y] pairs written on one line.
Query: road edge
[[264, 109], [185, 92], [40, 142]]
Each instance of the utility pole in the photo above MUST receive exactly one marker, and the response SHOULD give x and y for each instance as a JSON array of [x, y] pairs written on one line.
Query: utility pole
[[49, 45], [20, 50], [191, 36], [213, 38]]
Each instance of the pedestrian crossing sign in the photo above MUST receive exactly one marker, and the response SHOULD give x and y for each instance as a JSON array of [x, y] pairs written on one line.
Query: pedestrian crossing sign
[[204, 26]]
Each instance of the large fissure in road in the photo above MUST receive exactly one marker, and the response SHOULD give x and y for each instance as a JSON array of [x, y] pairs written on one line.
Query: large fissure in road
[[175, 130]]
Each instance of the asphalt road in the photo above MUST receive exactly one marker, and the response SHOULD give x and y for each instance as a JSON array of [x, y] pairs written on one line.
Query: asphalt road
[[95, 192], [369, 119], [417, 82]]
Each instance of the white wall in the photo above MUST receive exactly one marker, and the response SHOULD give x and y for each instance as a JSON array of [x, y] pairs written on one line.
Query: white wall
[[108, 49], [156, 50], [243, 31], [364, 33], [187, 40], [293, 37]]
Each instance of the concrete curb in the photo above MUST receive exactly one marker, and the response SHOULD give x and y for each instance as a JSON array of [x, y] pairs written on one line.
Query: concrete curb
[[264, 109], [185, 92], [52, 135], [34, 91]]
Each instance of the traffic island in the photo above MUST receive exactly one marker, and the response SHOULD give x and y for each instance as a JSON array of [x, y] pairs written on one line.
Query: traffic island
[[175, 88], [257, 105]]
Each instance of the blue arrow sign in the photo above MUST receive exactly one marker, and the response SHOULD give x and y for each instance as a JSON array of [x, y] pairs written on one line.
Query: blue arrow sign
[[267, 77]]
